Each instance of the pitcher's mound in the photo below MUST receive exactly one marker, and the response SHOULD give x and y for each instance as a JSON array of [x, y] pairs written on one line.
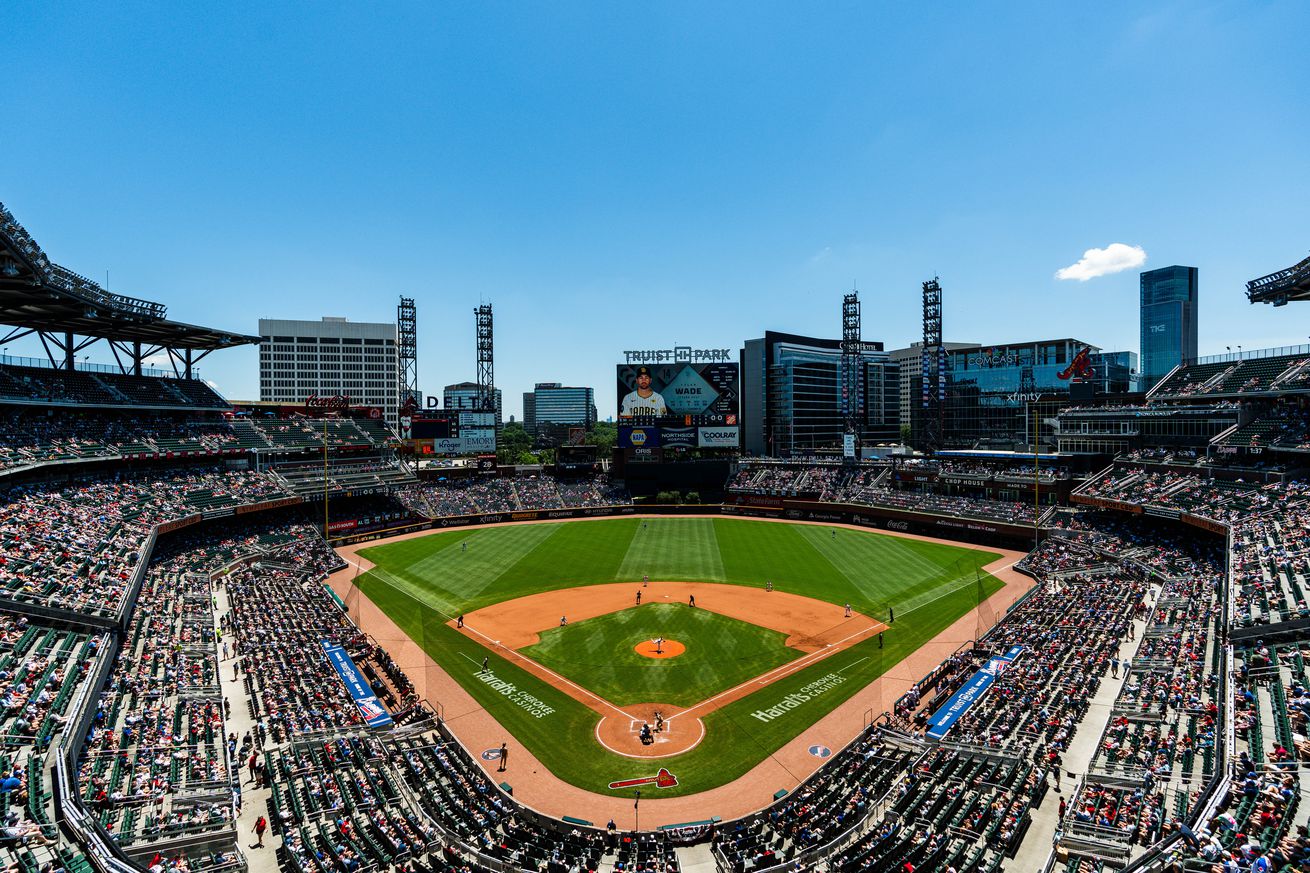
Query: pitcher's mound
[[668, 649]]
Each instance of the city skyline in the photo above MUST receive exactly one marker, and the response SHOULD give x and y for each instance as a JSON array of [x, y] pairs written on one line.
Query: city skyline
[[671, 176]]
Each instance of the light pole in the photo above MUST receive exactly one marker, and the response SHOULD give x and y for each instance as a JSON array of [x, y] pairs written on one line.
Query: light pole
[[325, 478]]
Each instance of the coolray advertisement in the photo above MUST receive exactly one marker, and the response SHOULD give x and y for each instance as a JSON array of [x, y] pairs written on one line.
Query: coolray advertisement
[[717, 438], [695, 393]]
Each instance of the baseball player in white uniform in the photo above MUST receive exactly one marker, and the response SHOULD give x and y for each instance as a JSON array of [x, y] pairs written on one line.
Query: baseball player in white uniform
[[643, 402]]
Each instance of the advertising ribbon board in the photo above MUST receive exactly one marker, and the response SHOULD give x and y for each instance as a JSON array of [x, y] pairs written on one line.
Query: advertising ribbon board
[[374, 713], [718, 438], [970, 693], [639, 437], [678, 437]]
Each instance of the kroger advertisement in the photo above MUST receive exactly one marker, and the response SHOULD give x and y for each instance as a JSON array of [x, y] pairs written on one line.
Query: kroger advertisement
[[469, 442], [678, 393]]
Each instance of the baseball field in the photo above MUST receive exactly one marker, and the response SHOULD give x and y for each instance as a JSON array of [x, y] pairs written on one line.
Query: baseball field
[[735, 634]]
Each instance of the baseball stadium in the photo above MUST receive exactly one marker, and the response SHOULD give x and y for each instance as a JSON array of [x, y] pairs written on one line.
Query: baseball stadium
[[320, 637]]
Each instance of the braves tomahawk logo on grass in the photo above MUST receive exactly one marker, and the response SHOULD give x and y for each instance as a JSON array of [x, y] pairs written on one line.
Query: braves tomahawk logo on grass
[[663, 779]]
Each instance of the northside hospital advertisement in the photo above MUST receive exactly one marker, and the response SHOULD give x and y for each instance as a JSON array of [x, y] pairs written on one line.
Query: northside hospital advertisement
[[678, 405]]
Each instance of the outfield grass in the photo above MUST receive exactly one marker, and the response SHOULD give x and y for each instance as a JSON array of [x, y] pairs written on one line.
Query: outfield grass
[[424, 582], [722, 652]]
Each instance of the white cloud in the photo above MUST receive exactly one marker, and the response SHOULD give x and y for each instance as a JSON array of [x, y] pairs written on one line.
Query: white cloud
[[1114, 258]]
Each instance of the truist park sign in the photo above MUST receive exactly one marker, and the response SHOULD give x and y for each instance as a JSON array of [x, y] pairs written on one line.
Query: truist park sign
[[677, 354]]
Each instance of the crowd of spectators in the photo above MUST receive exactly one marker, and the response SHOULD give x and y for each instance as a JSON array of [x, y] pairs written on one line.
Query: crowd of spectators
[[482, 495], [1184, 490], [158, 744], [1285, 426], [1270, 572], [77, 546], [27, 383], [1163, 734], [1261, 822], [834, 802], [1011, 511], [309, 434], [37, 435], [44, 668], [1270, 560], [870, 485], [355, 475], [815, 481], [984, 470]]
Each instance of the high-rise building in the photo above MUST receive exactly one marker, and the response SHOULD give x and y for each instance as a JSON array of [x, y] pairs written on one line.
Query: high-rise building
[[332, 356], [1169, 311], [791, 396], [466, 398], [910, 360], [552, 407], [995, 394]]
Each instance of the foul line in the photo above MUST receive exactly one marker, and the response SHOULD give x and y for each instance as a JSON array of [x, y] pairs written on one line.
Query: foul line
[[495, 644], [798, 664], [791, 666]]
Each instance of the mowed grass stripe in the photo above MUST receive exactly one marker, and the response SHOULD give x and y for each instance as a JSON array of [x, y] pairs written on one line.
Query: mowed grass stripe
[[587, 553], [885, 569], [453, 579], [679, 549], [755, 553], [735, 738]]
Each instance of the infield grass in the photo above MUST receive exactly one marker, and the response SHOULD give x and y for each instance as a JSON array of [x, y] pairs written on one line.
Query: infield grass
[[426, 581], [722, 652]]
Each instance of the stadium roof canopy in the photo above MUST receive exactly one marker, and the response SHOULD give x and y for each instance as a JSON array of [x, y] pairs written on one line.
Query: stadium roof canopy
[[1281, 287], [37, 296]]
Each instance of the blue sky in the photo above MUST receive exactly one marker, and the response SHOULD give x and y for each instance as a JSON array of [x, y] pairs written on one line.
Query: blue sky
[[612, 176]]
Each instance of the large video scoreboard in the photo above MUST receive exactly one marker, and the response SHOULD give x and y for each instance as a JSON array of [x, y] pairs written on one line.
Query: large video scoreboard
[[678, 398], [454, 433]]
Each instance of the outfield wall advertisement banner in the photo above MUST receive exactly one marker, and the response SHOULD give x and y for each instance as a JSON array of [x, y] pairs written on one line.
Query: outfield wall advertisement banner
[[987, 533], [678, 437], [718, 438], [467, 443], [639, 437], [372, 711], [679, 393]]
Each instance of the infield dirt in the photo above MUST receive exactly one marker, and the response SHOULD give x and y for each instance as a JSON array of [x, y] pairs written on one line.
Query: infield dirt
[[536, 787]]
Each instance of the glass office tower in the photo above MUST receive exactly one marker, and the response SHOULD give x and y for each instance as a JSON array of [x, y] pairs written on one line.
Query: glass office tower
[[1169, 308]]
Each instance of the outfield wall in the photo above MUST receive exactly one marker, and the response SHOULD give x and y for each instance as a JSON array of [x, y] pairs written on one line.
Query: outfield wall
[[970, 530]]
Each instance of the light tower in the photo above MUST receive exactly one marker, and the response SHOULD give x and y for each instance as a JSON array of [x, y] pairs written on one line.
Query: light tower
[[852, 395], [486, 357], [934, 366], [407, 340]]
